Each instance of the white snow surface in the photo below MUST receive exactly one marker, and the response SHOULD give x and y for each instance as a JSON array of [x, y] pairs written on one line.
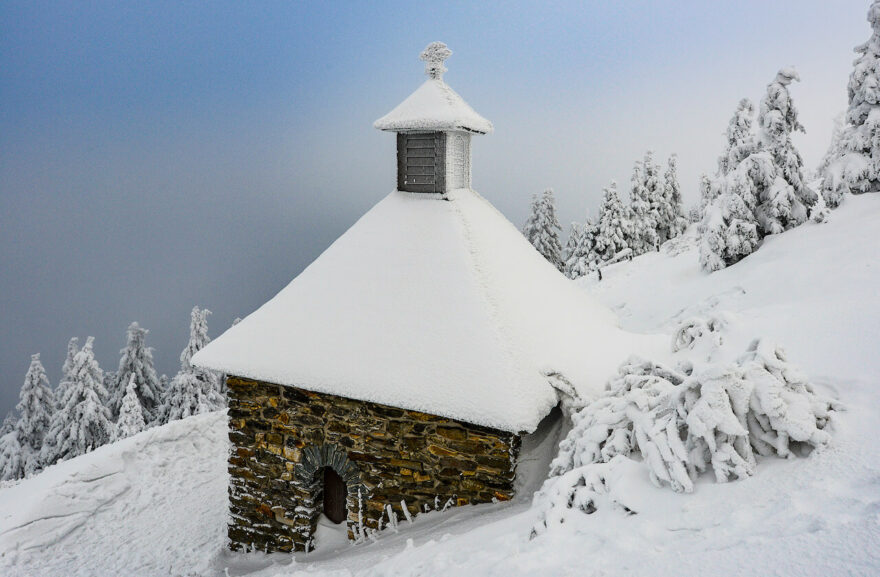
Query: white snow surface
[[434, 106], [434, 305], [156, 504]]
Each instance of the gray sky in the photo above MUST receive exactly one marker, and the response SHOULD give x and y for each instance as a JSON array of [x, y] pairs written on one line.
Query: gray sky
[[157, 156]]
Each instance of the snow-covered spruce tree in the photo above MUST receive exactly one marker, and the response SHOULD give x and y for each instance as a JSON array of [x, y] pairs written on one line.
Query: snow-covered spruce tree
[[612, 228], [708, 192], [193, 390], [786, 203], [741, 140], [673, 219], [729, 228], [542, 228], [35, 408], [643, 236], [82, 422], [131, 416], [12, 457], [654, 197], [855, 167], [582, 258], [575, 232], [66, 370], [137, 361]]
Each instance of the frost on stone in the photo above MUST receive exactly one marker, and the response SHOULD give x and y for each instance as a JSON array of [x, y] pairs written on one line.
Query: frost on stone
[[679, 423]]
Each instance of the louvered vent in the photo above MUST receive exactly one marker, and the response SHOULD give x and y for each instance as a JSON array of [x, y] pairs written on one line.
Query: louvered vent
[[421, 162]]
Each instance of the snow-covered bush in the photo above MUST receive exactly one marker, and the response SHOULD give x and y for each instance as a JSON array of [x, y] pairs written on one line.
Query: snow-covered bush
[[542, 228], [682, 422], [853, 165]]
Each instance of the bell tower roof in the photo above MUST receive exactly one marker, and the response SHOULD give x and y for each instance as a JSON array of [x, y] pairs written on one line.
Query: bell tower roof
[[434, 106]]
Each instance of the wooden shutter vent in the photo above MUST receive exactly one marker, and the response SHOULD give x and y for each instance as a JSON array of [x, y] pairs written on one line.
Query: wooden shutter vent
[[421, 162]]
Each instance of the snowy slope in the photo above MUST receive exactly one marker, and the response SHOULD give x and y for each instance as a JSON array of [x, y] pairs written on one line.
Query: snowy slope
[[155, 504]]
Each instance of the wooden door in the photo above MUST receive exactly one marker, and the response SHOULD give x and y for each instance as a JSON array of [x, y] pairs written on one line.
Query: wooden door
[[334, 496]]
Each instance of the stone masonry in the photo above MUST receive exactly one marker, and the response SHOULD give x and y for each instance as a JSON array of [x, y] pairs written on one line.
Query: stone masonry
[[283, 437]]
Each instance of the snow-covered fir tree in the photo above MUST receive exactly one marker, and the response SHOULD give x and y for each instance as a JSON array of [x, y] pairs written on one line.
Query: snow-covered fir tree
[[741, 140], [673, 220], [35, 408], [613, 228], [131, 416], [708, 193], [192, 390], [12, 457], [82, 422], [66, 370], [581, 256], [654, 196], [729, 229], [542, 228], [784, 204], [855, 165], [137, 361], [643, 226]]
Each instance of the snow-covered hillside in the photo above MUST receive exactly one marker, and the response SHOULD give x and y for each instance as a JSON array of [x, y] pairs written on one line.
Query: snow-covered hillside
[[155, 504]]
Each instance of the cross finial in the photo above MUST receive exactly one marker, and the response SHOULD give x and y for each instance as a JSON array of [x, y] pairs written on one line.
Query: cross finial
[[433, 55]]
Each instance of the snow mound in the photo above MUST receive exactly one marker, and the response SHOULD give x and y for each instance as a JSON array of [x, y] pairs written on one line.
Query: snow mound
[[151, 504]]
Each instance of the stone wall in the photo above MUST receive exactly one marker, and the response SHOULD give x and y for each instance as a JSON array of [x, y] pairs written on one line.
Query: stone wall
[[282, 438]]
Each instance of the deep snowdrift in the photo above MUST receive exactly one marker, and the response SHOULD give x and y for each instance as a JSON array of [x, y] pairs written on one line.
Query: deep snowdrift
[[155, 504]]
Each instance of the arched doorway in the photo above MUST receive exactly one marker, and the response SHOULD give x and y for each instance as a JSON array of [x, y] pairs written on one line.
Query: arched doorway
[[334, 496]]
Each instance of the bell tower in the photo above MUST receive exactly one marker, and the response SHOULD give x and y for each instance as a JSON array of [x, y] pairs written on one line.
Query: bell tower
[[434, 127]]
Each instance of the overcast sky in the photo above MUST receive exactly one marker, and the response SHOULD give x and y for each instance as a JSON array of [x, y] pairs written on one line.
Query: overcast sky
[[158, 155]]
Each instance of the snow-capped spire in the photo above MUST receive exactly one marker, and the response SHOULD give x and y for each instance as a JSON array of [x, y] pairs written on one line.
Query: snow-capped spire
[[433, 56], [434, 106]]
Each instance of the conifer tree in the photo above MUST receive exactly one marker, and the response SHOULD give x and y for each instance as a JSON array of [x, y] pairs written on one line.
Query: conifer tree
[[654, 197], [673, 219], [582, 257], [855, 165], [82, 422], [613, 227], [785, 204], [12, 461], [35, 408], [137, 361], [542, 228], [192, 390], [66, 370], [740, 138], [131, 416], [643, 232]]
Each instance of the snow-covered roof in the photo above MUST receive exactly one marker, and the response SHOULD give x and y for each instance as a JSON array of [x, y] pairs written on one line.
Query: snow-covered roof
[[433, 305], [434, 106]]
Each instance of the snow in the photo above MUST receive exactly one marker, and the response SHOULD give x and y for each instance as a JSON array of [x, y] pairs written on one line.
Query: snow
[[439, 306], [155, 503], [434, 106]]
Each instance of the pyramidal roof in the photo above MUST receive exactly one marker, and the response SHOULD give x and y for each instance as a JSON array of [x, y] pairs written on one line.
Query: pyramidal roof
[[434, 106], [433, 305]]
